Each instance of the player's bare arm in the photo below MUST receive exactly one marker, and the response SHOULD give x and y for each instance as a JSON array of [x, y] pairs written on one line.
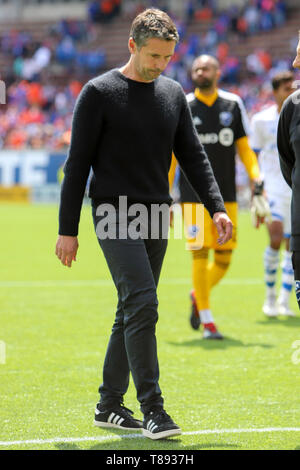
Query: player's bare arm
[[66, 249]]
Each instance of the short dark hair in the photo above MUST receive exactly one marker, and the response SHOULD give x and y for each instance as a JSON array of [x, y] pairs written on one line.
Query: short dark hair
[[153, 23], [280, 78]]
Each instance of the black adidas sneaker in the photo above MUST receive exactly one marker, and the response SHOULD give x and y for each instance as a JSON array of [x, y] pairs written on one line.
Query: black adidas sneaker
[[118, 417], [159, 425]]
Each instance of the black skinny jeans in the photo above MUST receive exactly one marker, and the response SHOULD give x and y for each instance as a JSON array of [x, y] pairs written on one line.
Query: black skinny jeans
[[135, 266]]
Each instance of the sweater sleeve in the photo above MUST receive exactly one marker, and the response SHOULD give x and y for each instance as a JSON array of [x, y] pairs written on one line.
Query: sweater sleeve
[[286, 154], [86, 128], [194, 162]]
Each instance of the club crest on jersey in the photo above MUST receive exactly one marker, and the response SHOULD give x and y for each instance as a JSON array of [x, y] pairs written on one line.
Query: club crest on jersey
[[197, 121], [226, 118], [193, 230]]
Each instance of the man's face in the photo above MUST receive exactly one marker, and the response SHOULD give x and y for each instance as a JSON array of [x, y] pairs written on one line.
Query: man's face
[[285, 90], [205, 74], [296, 63], [152, 58]]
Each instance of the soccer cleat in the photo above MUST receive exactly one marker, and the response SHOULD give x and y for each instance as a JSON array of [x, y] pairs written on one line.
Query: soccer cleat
[[284, 309], [211, 332], [195, 320], [269, 307], [159, 425], [118, 417]]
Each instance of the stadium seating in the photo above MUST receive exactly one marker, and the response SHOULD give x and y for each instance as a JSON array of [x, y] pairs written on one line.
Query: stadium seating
[[103, 46]]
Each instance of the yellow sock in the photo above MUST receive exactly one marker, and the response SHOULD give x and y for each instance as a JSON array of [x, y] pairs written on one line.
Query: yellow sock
[[201, 278], [217, 268]]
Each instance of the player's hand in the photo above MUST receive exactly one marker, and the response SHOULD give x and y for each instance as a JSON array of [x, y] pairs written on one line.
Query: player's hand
[[224, 227], [260, 209], [66, 249]]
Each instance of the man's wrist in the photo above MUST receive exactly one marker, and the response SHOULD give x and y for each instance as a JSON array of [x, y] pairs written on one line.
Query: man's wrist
[[220, 212], [67, 236]]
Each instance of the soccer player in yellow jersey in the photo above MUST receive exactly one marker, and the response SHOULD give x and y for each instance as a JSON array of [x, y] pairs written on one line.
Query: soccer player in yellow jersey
[[222, 125]]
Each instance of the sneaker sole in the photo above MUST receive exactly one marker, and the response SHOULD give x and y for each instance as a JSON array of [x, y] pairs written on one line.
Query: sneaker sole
[[103, 424], [161, 435]]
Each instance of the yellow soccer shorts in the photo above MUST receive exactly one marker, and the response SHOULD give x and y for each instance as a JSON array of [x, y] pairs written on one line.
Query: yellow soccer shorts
[[200, 230]]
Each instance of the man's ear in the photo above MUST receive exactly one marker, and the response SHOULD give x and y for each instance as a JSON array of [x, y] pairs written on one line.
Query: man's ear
[[132, 45]]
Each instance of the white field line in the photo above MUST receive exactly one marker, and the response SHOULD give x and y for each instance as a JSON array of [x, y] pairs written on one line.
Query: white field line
[[134, 436], [108, 282]]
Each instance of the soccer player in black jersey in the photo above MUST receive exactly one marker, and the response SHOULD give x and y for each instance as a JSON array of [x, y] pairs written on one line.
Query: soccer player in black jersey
[[221, 121], [125, 125]]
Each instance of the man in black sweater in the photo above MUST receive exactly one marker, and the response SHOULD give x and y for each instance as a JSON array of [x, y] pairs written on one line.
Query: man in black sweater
[[288, 142], [126, 124]]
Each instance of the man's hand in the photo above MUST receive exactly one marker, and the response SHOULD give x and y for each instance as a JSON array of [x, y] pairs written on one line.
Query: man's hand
[[224, 227], [66, 249], [260, 209]]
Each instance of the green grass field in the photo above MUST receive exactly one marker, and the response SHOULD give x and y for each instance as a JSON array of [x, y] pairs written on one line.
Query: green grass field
[[55, 323]]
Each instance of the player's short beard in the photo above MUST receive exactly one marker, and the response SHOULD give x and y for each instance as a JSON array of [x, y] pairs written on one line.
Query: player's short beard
[[205, 84]]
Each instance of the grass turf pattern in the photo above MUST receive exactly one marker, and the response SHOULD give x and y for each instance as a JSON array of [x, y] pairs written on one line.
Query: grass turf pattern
[[55, 323]]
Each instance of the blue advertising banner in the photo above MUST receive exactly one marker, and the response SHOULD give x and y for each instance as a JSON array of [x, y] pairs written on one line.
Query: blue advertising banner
[[30, 167]]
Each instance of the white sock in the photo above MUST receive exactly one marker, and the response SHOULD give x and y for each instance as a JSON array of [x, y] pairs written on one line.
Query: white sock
[[287, 278], [270, 292], [271, 263], [206, 316]]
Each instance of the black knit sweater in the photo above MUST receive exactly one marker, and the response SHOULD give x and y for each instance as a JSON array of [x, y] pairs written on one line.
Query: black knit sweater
[[126, 131], [288, 142]]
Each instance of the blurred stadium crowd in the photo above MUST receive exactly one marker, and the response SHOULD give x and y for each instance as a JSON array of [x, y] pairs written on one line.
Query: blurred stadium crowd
[[38, 112]]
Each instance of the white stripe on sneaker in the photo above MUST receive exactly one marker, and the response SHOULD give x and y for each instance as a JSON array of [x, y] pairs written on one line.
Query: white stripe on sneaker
[[149, 424], [111, 417], [120, 421], [97, 412], [153, 425], [116, 418]]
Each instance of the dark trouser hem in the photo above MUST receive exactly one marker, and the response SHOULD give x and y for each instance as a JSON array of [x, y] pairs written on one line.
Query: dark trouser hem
[[152, 406], [109, 404]]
